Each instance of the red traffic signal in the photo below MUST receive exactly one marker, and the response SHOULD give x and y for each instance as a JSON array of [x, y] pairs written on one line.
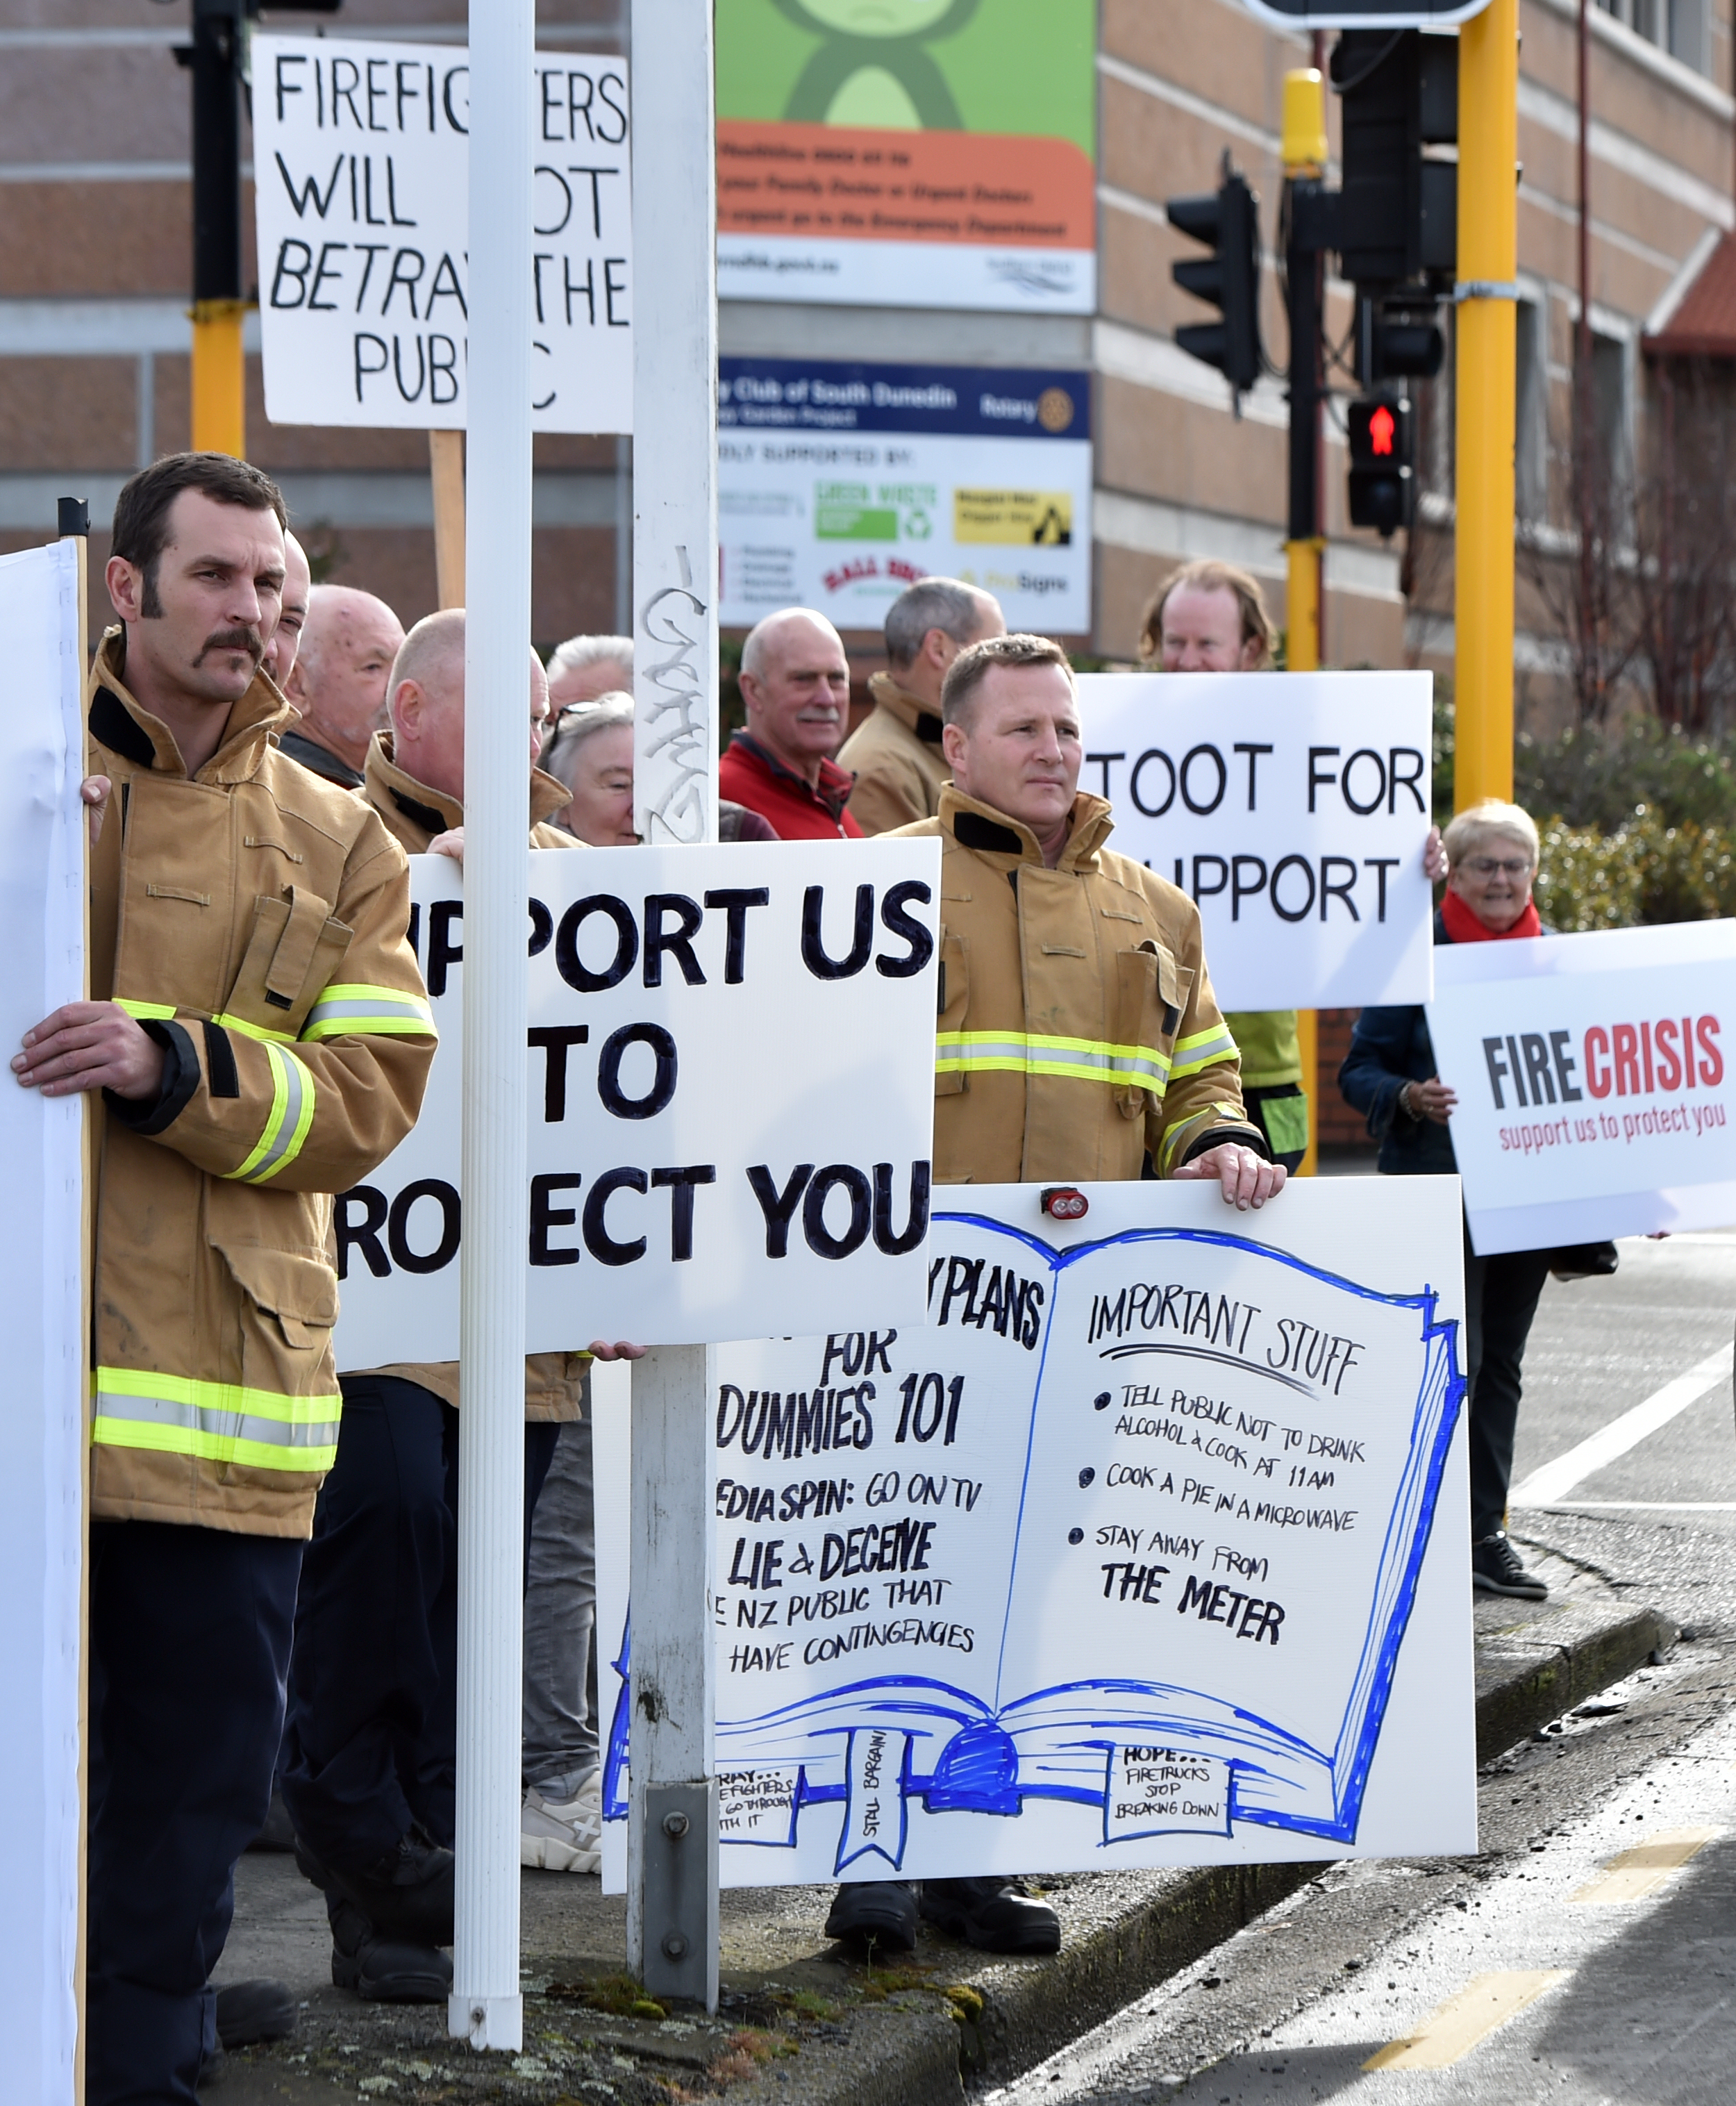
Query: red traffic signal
[[1381, 427], [1382, 447]]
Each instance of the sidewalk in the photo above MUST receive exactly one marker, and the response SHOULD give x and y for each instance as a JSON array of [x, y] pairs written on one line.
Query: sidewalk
[[801, 2024]]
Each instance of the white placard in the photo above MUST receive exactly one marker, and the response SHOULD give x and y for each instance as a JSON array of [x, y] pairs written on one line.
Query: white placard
[[1150, 1548], [732, 1101], [361, 161], [42, 1488], [1293, 808], [1591, 1076]]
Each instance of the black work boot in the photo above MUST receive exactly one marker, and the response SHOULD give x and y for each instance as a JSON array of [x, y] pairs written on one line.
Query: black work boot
[[1495, 1569], [995, 1915], [248, 2012], [381, 1971], [875, 1912], [408, 1895]]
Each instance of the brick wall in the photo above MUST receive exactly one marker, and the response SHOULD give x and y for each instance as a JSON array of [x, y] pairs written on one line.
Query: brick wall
[[1338, 1126]]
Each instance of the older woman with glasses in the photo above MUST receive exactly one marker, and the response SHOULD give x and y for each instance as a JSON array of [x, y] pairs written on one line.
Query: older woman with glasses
[[1390, 1077]]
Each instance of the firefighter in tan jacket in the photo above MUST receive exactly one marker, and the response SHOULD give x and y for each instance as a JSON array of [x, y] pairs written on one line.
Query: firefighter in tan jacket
[[895, 755], [368, 1761], [260, 1034], [1077, 1037]]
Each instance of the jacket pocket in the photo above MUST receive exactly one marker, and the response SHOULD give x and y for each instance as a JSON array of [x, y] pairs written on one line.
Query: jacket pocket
[[953, 997], [295, 948], [1151, 994], [289, 1304]]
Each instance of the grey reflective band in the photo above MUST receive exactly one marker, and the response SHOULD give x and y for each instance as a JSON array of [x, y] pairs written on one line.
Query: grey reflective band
[[214, 1423], [1487, 288]]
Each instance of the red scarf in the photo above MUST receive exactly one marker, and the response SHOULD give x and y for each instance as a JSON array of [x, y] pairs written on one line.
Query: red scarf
[[1464, 927]]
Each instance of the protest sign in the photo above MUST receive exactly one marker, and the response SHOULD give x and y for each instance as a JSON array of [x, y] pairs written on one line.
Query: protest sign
[[361, 167], [839, 485], [42, 1488], [732, 1055], [1150, 1548], [1293, 808], [1590, 1075], [939, 154]]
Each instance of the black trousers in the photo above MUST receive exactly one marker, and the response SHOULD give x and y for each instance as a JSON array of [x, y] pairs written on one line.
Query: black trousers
[[372, 1741], [189, 1633], [1500, 1299]]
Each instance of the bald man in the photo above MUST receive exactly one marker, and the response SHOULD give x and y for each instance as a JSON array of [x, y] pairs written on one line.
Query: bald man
[[280, 652], [795, 682], [338, 681]]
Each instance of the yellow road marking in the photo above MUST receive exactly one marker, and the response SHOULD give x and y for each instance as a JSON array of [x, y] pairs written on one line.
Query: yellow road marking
[[1483, 2004], [1637, 1873]]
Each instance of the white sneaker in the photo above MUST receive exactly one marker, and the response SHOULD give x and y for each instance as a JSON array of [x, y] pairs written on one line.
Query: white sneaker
[[563, 1835]]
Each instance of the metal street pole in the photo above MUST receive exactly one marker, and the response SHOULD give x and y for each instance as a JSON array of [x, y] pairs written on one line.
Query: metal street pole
[[1303, 149], [219, 420], [485, 2007], [1486, 291], [672, 1849]]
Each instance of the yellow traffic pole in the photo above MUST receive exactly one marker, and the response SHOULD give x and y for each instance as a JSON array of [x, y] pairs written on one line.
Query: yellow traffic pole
[[1303, 151], [1487, 290], [219, 378]]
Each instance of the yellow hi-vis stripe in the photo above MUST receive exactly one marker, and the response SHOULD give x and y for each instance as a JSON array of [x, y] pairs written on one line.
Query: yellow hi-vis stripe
[[1030, 1053], [1203, 1049], [215, 1422], [145, 1012], [263, 1033], [341, 1010], [286, 1126]]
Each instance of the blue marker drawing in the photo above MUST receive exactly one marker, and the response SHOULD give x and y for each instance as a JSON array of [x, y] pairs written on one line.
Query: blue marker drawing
[[1103, 1374]]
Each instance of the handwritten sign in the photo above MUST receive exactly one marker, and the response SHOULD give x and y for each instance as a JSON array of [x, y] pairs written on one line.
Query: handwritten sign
[[42, 1260], [731, 1058], [1148, 1548], [1293, 808], [1592, 1077], [362, 164]]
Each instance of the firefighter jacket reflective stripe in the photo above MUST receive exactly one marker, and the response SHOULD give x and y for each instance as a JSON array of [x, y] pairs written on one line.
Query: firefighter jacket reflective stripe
[[896, 757], [414, 814], [251, 918], [1077, 1027]]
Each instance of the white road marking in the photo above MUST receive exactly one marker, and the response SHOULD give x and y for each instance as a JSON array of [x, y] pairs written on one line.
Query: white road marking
[[1553, 1483]]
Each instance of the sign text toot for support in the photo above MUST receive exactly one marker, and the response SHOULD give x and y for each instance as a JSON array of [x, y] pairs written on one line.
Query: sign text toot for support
[[731, 1058], [1292, 808], [361, 161], [1590, 1074]]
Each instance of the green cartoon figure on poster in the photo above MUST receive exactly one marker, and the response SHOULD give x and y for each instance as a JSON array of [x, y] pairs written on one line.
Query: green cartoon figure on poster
[[873, 68]]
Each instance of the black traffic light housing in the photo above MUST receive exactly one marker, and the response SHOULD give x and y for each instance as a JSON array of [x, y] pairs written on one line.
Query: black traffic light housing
[[1382, 448], [1399, 215], [1397, 339], [1227, 222]]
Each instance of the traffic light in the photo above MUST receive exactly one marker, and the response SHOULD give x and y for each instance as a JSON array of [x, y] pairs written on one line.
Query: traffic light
[[1397, 340], [1227, 222], [1381, 447], [1398, 217]]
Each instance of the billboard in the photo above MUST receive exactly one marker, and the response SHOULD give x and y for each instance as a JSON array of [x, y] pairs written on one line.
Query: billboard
[[838, 485], [908, 152]]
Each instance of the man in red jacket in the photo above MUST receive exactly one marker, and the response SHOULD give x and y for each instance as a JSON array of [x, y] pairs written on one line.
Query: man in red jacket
[[795, 682]]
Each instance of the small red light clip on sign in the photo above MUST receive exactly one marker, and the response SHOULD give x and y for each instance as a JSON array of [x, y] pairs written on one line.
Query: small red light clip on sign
[[1065, 1202]]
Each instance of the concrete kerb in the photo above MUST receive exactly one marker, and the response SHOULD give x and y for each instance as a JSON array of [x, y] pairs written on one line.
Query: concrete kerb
[[802, 2025]]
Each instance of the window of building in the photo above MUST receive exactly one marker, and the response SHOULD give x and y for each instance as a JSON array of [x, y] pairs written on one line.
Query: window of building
[[1531, 411], [1676, 26]]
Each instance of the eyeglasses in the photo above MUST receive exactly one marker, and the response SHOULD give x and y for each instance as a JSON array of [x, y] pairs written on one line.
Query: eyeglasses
[[1511, 867]]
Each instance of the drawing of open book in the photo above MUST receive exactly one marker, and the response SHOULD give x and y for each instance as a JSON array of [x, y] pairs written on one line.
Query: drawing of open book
[[1124, 1545]]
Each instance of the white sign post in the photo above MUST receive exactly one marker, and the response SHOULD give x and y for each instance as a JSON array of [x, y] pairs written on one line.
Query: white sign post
[[485, 2005], [1593, 1076], [1293, 808], [1147, 1549], [41, 1490], [672, 1908], [369, 283]]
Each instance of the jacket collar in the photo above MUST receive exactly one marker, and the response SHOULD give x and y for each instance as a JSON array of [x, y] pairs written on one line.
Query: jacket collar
[[911, 711], [431, 811], [832, 791], [119, 721], [1008, 842]]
